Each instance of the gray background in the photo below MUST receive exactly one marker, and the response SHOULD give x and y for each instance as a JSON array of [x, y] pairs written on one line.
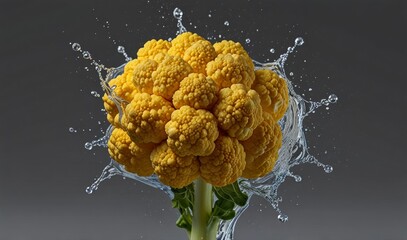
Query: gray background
[[356, 49]]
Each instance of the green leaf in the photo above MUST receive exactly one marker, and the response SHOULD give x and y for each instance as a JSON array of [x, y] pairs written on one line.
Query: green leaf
[[185, 221], [183, 197], [232, 193], [184, 201], [228, 197], [223, 209]]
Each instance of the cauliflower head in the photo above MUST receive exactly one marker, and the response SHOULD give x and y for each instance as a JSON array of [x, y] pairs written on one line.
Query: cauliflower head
[[238, 111], [226, 163], [146, 116], [195, 109], [273, 92], [192, 132], [172, 169], [134, 157], [197, 91]]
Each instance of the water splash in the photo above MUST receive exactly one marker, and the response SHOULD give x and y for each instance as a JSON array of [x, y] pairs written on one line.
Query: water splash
[[101, 142], [177, 13], [122, 50], [294, 150]]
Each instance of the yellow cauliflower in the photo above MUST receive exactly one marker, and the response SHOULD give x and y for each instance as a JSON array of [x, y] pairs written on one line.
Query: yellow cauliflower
[[125, 91], [238, 111], [152, 48], [142, 75], [172, 169], [182, 42], [225, 47], [225, 165], [192, 132], [168, 75], [196, 110], [135, 158], [199, 54], [197, 91], [273, 92], [228, 69], [146, 116], [262, 148]]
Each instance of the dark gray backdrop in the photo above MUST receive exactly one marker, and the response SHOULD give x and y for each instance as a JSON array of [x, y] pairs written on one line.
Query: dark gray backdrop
[[356, 49]]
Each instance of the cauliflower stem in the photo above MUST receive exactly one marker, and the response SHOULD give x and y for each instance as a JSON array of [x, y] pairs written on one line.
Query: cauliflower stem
[[203, 199]]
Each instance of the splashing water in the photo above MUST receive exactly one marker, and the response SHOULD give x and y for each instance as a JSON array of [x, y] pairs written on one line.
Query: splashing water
[[178, 15], [294, 150]]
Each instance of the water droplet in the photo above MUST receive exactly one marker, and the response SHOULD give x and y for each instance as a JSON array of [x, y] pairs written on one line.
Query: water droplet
[[328, 168], [226, 23], [76, 47], [177, 13], [299, 41], [209, 15], [290, 49], [297, 178], [71, 129], [333, 98], [247, 40], [291, 74], [310, 89], [120, 49], [272, 50], [95, 94], [282, 217], [86, 55], [88, 146], [89, 190]]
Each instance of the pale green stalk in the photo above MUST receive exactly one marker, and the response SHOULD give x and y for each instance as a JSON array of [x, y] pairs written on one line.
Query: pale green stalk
[[203, 199]]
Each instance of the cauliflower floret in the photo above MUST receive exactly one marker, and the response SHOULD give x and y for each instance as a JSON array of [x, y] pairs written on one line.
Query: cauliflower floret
[[124, 90], [197, 91], [273, 92], [168, 75], [152, 48], [199, 54], [135, 158], [232, 47], [261, 158], [130, 66], [142, 75], [182, 42], [192, 132], [228, 69], [172, 169], [146, 116], [238, 111], [260, 140], [225, 165]]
